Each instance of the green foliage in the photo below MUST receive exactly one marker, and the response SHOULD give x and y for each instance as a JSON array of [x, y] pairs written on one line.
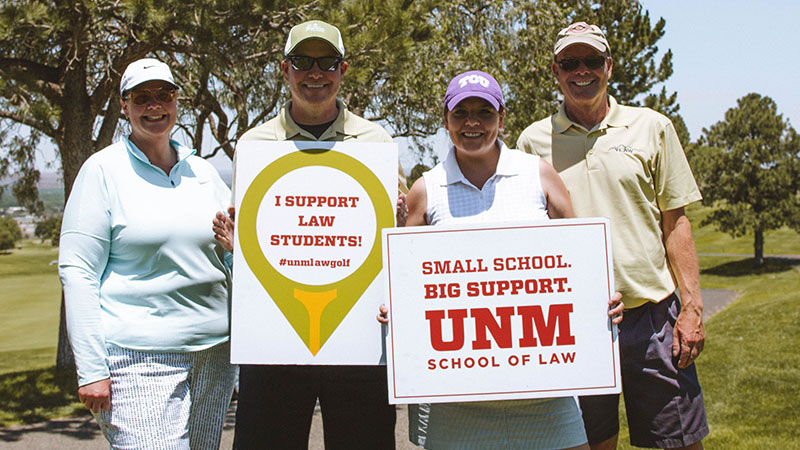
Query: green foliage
[[17, 164], [55, 234], [416, 172], [668, 105], [748, 167], [226, 57], [60, 69], [513, 40], [46, 227], [10, 233], [6, 239]]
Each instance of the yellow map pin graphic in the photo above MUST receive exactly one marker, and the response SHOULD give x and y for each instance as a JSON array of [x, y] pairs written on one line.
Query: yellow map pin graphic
[[313, 311]]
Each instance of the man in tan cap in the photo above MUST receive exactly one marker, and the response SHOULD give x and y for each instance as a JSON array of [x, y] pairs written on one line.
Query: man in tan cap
[[276, 402], [627, 164]]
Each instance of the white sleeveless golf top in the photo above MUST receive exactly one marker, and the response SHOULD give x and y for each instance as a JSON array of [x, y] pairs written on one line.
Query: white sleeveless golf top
[[513, 193]]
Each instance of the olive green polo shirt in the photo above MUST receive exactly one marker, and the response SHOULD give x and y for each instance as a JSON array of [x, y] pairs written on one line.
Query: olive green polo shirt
[[346, 127], [629, 168]]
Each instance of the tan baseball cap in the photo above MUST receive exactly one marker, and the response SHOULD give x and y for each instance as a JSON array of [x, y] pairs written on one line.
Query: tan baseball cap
[[314, 29], [581, 33]]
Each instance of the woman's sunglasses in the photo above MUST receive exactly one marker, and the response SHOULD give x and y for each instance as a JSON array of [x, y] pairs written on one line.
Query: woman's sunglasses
[[591, 62], [325, 63], [143, 96]]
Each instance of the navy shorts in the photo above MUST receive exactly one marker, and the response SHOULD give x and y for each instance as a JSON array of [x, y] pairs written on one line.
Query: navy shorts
[[664, 404]]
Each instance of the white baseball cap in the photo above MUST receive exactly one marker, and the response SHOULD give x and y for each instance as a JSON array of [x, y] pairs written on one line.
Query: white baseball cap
[[144, 70]]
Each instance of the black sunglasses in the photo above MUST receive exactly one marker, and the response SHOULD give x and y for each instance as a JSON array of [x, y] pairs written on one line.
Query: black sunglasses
[[325, 63], [591, 62]]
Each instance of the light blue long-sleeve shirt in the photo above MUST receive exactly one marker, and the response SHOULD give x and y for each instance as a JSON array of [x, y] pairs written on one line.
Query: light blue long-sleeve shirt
[[138, 260]]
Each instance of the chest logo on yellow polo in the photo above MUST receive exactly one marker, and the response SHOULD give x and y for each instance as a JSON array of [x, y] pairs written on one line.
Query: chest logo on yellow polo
[[622, 148]]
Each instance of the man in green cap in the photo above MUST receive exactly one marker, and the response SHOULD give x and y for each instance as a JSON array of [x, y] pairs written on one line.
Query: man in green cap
[[276, 402]]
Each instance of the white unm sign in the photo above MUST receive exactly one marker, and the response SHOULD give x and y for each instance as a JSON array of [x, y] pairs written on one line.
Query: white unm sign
[[500, 312]]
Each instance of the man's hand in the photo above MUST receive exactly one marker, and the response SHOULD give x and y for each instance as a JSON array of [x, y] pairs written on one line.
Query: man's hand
[[688, 337], [96, 396], [615, 308], [223, 228], [402, 210], [383, 315]]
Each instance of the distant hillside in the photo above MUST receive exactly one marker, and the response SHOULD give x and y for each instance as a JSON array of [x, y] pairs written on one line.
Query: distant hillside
[[50, 180], [51, 191]]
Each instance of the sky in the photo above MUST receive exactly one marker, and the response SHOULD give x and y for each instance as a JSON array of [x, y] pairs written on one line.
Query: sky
[[722, 50]]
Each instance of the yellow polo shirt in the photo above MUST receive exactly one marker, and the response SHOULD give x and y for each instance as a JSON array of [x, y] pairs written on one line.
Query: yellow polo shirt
[[346, 127], [629, 168]]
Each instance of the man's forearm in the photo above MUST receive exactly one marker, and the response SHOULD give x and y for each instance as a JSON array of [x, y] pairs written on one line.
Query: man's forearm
[[682, 257]]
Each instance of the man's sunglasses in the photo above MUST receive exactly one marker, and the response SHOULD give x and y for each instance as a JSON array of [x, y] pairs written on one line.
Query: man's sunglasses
[[143, 96], [325, 63], [591, 62]]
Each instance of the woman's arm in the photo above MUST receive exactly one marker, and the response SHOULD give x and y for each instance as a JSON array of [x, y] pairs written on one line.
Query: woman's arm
[[84, 250], [417, 201], [559, 205]]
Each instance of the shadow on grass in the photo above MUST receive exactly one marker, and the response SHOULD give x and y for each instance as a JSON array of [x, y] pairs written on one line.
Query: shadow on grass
[[745, 267], [78, 428], [38, 395]]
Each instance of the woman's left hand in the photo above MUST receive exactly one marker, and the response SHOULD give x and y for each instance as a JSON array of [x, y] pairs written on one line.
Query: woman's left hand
[[615, 308], [96, 396], [223, 228]]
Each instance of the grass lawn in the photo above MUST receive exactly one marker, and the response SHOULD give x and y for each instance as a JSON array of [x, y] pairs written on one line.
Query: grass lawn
[[31, 298], [31, 390], [750, 367], [776, 242]]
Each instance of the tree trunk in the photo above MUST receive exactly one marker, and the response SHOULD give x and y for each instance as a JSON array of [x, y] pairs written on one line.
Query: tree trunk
[[75, 146], [758, 260], [64, 357]]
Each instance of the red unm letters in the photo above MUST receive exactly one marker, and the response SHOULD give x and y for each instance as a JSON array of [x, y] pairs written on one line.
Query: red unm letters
[[558, 319]]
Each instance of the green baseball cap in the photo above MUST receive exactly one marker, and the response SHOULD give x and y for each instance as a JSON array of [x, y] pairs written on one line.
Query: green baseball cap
[[314, 29]]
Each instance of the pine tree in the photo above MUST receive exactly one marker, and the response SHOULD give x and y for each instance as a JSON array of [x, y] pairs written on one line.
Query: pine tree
[[748, 167]]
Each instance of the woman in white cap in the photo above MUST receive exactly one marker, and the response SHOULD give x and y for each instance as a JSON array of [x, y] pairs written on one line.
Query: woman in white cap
[[520, 187], [145, 283]]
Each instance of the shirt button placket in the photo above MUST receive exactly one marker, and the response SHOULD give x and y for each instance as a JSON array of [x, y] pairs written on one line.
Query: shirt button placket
[[590, 152]]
